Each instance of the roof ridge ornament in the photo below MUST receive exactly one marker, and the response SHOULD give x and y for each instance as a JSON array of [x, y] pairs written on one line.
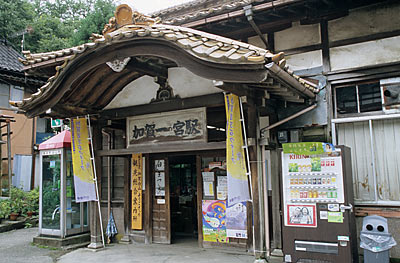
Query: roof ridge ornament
[[118, 64], [125, 16]]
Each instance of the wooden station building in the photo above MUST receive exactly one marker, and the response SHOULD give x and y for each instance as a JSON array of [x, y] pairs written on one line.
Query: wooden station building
[[158, 90]]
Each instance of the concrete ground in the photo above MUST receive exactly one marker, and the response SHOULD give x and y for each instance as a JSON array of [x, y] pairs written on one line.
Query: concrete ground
[[16, 246], [186, 251]]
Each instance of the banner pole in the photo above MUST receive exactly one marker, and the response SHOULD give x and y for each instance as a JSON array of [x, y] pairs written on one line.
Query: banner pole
[[95, 179], [248, 167]]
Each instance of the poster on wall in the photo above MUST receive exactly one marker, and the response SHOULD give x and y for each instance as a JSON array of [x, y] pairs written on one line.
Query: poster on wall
[[214, 221], [136, 178], [301, 215], [236, 220], [238, 189], [160, 183], [81, 163]]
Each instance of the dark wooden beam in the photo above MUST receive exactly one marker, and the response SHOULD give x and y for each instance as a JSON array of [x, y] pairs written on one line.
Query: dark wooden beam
[[102, 87], [147, 68], [114, 89], [164, 148], [211, 100], [325, 46]]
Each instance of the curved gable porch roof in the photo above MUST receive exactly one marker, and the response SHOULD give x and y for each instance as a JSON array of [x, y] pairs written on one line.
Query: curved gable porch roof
[[85, 84]]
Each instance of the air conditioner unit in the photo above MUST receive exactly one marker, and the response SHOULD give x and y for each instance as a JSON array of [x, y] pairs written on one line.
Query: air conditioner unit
[[390, 92]]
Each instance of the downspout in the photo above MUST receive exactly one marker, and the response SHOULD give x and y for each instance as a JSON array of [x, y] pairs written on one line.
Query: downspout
[[289, 118], [108, 174], [290, 80], [248, 12]]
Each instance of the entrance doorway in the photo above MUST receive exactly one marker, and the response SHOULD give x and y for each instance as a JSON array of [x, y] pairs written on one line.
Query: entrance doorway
[[183, 198]]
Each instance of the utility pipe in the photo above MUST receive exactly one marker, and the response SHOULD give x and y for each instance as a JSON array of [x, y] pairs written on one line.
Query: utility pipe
[[289, 118], [286, 77], [249, 14]]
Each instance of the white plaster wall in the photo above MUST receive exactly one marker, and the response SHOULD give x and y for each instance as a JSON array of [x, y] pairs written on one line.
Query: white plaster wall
[[186, 84], [138, 92], [144, 89], [305, 60], [256, 41], [297, 36], [365, 54], [365, 21]]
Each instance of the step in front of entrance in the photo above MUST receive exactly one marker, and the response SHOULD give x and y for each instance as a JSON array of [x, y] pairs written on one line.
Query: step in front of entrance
[[80, 240]]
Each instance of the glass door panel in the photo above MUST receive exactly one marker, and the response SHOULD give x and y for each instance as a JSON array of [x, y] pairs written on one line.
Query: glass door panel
[[76, 213], [51, 183]]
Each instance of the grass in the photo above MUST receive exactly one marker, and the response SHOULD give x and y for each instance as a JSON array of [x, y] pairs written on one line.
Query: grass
[[45, 247]]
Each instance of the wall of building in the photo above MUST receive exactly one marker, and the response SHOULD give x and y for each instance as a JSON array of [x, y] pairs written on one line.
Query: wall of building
[[183, 83], [367, 37], [21, 137]]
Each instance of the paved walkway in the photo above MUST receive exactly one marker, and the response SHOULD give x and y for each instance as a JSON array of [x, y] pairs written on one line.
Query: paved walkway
[[176, 253], [16, 246]]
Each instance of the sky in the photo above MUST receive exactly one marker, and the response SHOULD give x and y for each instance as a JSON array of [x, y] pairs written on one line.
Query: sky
[[150, 6]]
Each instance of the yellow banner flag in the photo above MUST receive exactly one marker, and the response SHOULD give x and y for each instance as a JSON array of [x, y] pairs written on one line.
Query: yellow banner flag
[[81, 162], [238, 190], [137, 182]]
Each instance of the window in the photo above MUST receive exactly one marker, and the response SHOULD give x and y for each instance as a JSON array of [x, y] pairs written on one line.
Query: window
[[358, 98], [10, 92]]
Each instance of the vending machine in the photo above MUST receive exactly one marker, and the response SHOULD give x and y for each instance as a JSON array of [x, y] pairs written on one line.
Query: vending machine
[[318, 204]]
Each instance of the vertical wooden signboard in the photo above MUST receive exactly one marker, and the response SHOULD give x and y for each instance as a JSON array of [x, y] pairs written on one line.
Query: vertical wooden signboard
[[137, 181]]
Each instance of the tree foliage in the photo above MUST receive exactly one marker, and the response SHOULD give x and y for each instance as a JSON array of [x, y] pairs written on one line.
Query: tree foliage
[[54, 24]]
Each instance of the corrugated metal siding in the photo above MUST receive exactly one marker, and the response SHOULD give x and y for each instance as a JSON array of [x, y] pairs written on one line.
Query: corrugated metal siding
[[386, 135], [386, 142]]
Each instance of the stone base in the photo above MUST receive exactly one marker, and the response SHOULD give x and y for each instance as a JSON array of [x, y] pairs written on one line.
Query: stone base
[[80, 240], [95, 245], [277, 253], [125, 240]]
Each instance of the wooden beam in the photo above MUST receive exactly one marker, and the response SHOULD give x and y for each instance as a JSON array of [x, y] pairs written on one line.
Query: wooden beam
[[100, 89], [114, 88], [325, 46], [164, 148], [235, 88], [211, 100]]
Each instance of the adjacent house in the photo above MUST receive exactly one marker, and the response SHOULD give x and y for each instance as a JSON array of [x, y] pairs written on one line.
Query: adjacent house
[[15, 85]]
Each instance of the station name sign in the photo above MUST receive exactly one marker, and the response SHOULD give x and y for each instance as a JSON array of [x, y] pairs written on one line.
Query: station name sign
[[169, 126]]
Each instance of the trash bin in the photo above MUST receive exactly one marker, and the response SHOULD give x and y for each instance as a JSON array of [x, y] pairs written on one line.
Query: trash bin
[[376, 240]]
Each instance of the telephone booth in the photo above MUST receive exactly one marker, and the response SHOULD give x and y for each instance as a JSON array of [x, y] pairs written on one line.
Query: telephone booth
[[59, 213]]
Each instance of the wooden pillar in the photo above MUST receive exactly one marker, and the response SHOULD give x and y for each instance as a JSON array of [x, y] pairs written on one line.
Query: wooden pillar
[[326, 63], [252, 134], [276, 201], [148, 207], [199, 201], [95, 233], [127, 199]]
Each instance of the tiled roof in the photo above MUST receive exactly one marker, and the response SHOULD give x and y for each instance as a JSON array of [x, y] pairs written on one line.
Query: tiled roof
[[9, 59], [180, 14], [200, 44]]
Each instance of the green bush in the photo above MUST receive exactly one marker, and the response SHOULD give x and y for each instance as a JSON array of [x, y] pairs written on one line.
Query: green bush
[[5, 208], [20, 202]]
